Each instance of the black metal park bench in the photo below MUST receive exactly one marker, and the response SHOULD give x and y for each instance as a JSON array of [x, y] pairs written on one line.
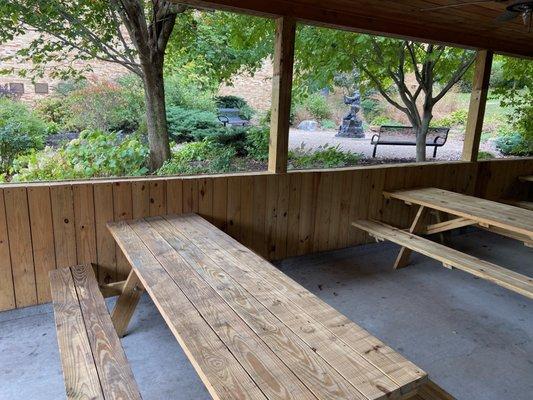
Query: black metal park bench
[[231, 116], [406, 136]]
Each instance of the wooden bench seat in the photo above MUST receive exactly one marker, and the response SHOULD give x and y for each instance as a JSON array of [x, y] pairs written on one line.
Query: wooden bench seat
[[250, 331], [94, 363], [449, 257]]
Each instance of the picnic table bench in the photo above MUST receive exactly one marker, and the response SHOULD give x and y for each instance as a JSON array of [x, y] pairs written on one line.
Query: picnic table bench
[[513, 222], [249, 330], [231, 116], [406, 136]]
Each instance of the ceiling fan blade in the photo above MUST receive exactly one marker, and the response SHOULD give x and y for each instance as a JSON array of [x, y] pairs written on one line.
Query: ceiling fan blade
[[507, 16], [456, 5]]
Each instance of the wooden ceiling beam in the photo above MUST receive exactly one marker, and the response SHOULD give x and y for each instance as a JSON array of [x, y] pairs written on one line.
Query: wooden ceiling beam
[[362, 18]]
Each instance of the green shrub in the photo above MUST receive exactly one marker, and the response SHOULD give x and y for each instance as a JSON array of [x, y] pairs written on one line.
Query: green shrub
[[372, 108], [245, 111], [54, 110], [199, 157], [13, 143], [328, 124], [106, 106], [182, 92], [383, 120], [190, 124], [257, 142], [322, 157], [485, 155], [455, 118], [93, 154], [514, 144], [26, 121], [317, 105]]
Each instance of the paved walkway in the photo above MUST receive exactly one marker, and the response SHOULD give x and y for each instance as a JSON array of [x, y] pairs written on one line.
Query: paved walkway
[[450, 151]]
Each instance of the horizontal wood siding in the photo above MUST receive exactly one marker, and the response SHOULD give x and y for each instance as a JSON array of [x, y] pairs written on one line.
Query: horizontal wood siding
[[49, 225]]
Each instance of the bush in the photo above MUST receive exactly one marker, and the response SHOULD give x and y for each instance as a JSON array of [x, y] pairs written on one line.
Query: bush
[[317, 105], [190, 124], [514, 144], [106, 106], [383, 120], [199, 157], [54, 110], [245, 111], [257, 142], [93, 154], [456, 118], [372, 108], [328, 124], [13, 143], [323, 157], [182, 92]]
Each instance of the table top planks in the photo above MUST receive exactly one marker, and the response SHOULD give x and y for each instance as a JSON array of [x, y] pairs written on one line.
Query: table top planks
[[485, 212], [274, 339]]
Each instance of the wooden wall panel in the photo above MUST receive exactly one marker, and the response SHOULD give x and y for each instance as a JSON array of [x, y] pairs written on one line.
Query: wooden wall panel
[[49, 225]]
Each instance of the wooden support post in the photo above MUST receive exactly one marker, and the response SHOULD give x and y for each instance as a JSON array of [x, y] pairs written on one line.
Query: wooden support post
[[478, 100], [126, 303], [416, 227], [281, 94]]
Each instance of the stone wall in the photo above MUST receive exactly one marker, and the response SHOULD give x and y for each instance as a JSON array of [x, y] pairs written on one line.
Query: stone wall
[[45, 86]]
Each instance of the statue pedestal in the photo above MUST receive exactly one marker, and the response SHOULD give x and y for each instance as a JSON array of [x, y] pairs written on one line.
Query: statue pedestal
[[351, 128]]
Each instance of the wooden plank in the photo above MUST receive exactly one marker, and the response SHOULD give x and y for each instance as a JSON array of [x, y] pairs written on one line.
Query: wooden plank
[[293, 222], [252, 300], [42, 238], [308, 201], [282, 217], [64, 225], [190, 195], [281, 94], [126, 303], [483, 211], [105, 245], [478, 101], [79, 370], [335, 216], [234, 207], [20, 246], [122, 210], [528, 178], [158, 198], [7, 290], [450, 257], [259, 243], [220, 202], [140, 197], [219, 245], [83, 199], [205, 198], [247, 210], [200, 279], [345, 209], [271, 215], [221, 372], [448, 225], [528, 205], [174, 196], [417, 226], [323, 212], [114, 373]]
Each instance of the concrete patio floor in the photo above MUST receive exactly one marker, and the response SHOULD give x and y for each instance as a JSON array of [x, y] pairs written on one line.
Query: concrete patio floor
[[475, 339]]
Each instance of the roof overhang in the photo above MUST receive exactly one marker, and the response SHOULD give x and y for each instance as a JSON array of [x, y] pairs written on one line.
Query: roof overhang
[[472, 26]]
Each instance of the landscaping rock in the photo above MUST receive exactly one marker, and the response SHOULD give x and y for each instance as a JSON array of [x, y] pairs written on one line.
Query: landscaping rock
[[308, 125]]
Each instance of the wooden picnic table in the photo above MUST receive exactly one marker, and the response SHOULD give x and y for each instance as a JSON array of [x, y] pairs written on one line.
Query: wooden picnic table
[[501, 218], [250, 331]]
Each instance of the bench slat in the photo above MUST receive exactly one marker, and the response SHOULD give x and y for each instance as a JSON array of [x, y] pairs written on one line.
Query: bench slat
[[226, 251], [501, 276], [254, 304], [79, 370], [223, 375], [116, 377]]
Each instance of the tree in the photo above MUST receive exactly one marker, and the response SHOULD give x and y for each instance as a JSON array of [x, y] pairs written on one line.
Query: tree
[[383, 64], [132, 33]]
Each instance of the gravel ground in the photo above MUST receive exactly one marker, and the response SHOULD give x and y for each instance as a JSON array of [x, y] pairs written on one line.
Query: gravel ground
[[450, 151]]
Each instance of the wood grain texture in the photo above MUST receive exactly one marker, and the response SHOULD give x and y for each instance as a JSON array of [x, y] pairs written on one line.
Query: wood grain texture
[[262, 206], [7, 291]]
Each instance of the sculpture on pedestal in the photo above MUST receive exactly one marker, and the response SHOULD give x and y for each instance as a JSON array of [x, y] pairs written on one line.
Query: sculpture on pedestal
[[352, 126]]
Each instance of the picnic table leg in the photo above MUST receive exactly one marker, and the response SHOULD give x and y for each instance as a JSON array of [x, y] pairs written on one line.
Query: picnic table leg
[[126, 303], [417, 226]]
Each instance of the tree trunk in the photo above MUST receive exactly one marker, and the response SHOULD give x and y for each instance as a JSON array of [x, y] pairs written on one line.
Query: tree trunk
[[156, 118], [421, 136]]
